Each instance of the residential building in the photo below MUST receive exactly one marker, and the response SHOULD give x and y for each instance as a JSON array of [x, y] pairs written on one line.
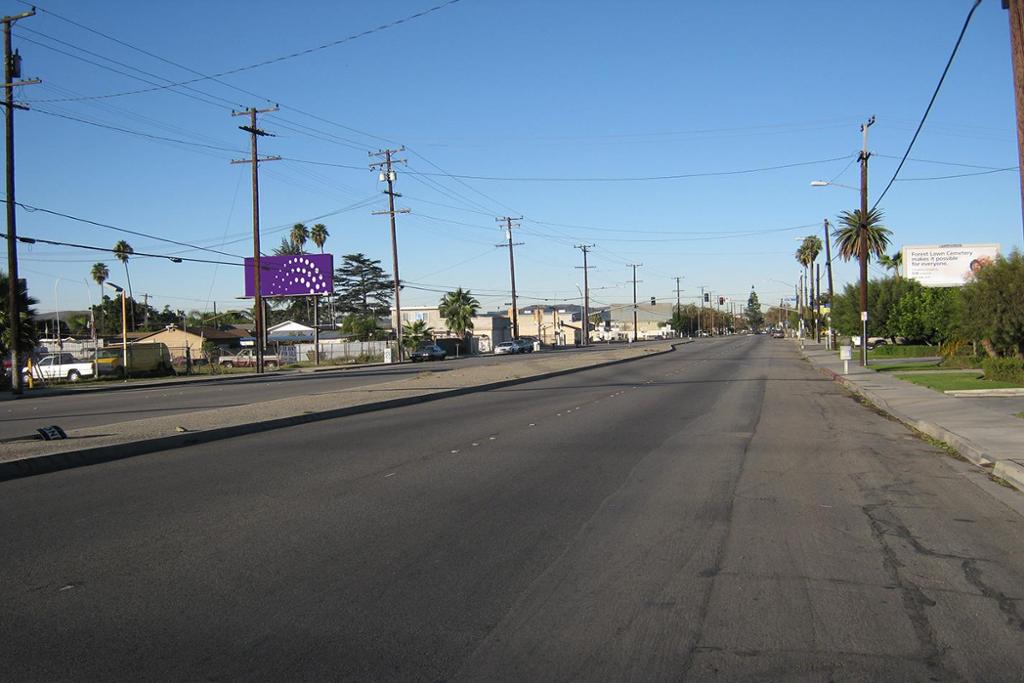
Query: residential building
[[189, 343], [488, 328]]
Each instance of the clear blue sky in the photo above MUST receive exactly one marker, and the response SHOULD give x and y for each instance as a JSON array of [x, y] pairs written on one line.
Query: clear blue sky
[[532, 88]]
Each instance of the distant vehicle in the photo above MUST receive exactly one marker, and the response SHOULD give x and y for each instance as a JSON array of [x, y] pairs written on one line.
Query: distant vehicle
[[506, 348], [59, 366], [778, 334], [151, 358], [246, 358], [524, 345], [428, 352]]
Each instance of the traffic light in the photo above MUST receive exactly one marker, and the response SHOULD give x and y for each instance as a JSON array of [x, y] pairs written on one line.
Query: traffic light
[[721, 301], [653, 301], [707, 298]]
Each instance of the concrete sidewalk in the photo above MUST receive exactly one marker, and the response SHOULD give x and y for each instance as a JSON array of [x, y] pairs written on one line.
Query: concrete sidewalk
[[985, 437]]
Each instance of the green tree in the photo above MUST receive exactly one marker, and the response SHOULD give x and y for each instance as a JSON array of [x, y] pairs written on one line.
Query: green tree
[[319, 236], [892, 263], [26, 328], [415, 333], [362, 327], [299, 235], [929, 315], [100, 273], [993, 306], [362, 286], [882, 297], [123, 251], [458, 308], [753, 314]]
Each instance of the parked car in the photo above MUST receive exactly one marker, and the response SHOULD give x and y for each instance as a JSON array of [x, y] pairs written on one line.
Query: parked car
[[59, 366], [149, 358], [426, 352], [506, 348], [246, 358], [524, 345], [778, 334]]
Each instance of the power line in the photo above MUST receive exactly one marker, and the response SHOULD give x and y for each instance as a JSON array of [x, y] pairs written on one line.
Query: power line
[[266, 62], [961, 175], [174, 259], [135, 132], [33, 209], [609, 179], [935, 94]]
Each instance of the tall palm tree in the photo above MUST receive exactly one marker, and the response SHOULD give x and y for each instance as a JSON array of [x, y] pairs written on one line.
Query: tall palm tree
[[123, 251], [860, 235], [811, 247], [458, 308], [299, 235], [893, 263], [319, 235], [100, 273]]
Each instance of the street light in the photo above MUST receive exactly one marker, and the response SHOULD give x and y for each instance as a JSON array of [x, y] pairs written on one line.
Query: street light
[[124, 326]]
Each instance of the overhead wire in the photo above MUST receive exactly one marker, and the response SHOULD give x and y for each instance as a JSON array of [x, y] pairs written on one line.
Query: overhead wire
[[931, 102], [275, 60]]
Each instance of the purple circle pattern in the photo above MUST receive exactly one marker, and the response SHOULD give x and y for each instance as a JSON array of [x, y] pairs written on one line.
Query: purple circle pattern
[[299, 275]]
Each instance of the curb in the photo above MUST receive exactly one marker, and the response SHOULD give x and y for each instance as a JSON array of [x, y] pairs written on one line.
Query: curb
[[43, 464], [1011, 471]]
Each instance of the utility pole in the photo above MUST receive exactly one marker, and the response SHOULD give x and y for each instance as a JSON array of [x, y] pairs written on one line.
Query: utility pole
[[700, 313], [507, 220], [1016, 14], [12, 70], [145, 311], [634, 266], [831, 302], [255, 133], [863, 242], [585, 248], [387, 174], [679, 305], [817, 303]]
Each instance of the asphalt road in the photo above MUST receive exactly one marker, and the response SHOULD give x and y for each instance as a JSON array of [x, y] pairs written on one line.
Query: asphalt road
[[719, 513], [89, 407]]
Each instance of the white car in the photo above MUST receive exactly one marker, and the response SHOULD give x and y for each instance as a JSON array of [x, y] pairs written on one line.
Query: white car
[[59, 366], [506, 348]]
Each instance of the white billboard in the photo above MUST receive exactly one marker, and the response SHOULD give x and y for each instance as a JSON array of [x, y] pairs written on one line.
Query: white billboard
[[947, 265]]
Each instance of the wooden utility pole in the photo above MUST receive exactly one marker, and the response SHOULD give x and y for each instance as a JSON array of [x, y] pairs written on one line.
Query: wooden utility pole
[[388, 175], [255, 133], [12, 70], [862, 240], [586, 292], [634, 266], [507, 220], [679, 305], [1016, 14], [831, 297]]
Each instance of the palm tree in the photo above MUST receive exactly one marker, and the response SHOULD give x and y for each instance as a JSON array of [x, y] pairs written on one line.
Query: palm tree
[[319, 235], [123, 250], [810, 247], [299, 235], [458, 308], [860, 235], [416, 332], [100, 273], [893, 263]]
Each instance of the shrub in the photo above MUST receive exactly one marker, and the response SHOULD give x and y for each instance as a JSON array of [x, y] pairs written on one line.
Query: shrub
[[1004, 369], [903, 351]]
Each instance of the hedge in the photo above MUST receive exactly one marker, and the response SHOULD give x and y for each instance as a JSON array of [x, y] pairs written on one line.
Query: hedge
[[1004, 369]]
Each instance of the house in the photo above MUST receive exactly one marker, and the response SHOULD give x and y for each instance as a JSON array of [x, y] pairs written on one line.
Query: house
[[552, 325], [189, 342], [289, 332], [652, 321], [488, 330]]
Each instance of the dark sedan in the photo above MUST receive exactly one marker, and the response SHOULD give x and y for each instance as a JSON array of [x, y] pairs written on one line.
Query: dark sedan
[[428, 352]]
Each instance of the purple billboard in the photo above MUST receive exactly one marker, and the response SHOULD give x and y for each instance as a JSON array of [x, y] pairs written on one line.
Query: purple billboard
[[292, 275]]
